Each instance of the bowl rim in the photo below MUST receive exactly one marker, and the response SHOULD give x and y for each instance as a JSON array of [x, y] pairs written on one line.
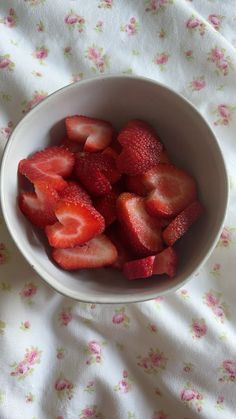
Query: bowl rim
[[63, 290]]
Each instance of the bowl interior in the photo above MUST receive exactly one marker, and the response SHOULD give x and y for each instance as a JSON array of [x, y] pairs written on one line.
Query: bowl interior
[[189, 142]]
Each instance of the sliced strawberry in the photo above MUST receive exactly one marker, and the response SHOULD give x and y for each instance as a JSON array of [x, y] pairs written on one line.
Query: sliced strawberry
[[140, 268], [134, 184], [96, 171], [141, 148], [73, 192], [95, 134], [96, 253], [78, 223], [72, 146], [142, 231], [178, 227], [172, 190], [50, 164], [39, 206], [124, 254], [166, 262], [106, 205]]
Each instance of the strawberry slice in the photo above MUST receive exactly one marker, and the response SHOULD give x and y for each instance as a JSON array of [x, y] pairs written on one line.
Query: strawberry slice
[[166, 262], [172, 190], [178, 227], [39, 206], [106, 205], [124, 254], [134, 184], [78, 223], [96, 253], [142, 231], [141, 148], [95, 134], [50, 164], [140, 268], [73, 192], [96, 171]]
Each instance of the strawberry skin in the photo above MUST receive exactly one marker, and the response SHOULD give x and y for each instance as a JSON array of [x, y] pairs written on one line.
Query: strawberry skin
[[39, 206], [106, 205], [140, 268], [96, 253], [166, 262], [172, 190], [95, 134], [142, 231], [72, 146], [141, 148], [134, 184], [96, 171], [178, 227], [124, 254], [77, 223], [73, 192], [50, 164]]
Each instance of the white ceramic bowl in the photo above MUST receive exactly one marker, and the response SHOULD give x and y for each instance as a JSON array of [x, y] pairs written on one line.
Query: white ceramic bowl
[[190, 143]]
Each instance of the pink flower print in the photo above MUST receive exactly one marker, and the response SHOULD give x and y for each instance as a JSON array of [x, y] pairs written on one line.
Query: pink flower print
[[131, 28], [215, 21], [24, 368], [220, 403], [125, 384], [6, 63], [40, 26], [11, 19], [98, 59], [90, 388], [38, 96], [154, 362], [64, 388], [193, 23], [74, 21], [90, 412], [94, 347], [67, 52], [216, 269], [25, 325], [160, 415], [199, 328], [211, 299], [28, 291], [222, 62], [226, 235], [99, 26], [60, 353], [105, 4], [189, 54], [191, 397], [224, 113], [32, 356], [155, 6], [197, 83], [21, 370], [41, 53], [219, 308], [161, 60], [29, 398], [152, 327], [228, 368], [188, 367], [65, 316], [120, 317], [77, 77], [4, 254]]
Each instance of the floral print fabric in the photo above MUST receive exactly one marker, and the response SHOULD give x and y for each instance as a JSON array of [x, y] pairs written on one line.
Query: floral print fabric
[[170, 358]]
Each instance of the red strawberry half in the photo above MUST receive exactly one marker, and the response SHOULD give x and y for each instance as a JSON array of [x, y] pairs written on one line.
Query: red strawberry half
[[94, 133], [141, 148], [71, 145], [134, 184], [77, 223], [39, 206], [50, 164], [178, 227], [172, 190], [106, 205], [96, 253], [141, 230], [73, 192], [140, 268], [124, 254], [166, 262], [96, 171]]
